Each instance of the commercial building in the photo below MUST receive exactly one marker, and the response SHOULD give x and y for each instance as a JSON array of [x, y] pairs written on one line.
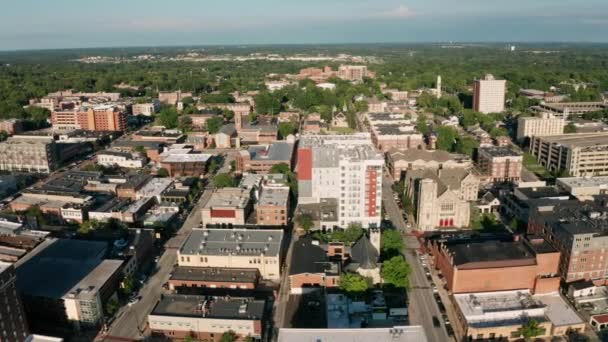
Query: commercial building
[[207, 318], [172, 97], [102, 118], [127, 160], [579, 154], [500, 315], [524, 200], [495, 263], [155, 187], [401, 161], [181, 160], [147, 109], [261, 158], [67, 281], [228, 205], [538, 126], [29, 154], [14, 323], [442, 198], [583, 188], [489, 95], [565, 109], [259, 249], [214, 278], [578, 230], [500, 164], [344, 168], [389, 130], [311, 266], [272, 208], [394, 334]]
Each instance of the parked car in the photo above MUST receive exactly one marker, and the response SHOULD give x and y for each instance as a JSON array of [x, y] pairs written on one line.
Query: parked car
[[436, 322]]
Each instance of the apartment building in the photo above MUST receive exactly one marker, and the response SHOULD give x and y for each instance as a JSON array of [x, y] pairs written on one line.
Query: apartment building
[[14, 322], [214, 278], [29, 154], [500, 164], [344, 168], [206, 318], [579, 154], [101, 118], [489, 95], [172, 97], [353, 73], [259, 249], [261, 158], [578, 230], [272, 208], [442, 198], [537, 126], [228, 205]]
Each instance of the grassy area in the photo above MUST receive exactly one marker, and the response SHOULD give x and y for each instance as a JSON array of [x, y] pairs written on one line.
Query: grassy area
[[342, 130], [531, 164]]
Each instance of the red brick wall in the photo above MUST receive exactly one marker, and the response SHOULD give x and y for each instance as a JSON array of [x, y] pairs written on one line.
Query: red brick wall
[[305, 164], [548, 263], [546, 285], [494, 279]]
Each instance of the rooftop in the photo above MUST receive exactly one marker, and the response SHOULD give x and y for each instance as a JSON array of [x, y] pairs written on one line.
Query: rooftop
[[491, 253], [425, 155], [584, 182], [90, 285], [252, 242], [229, 197], [4, 266], [277, 151], [308, 257], [395, 334], [502, 151], [275, 197], [241, 275], [58, 266], [490, 307], [187, 158], [210, 307], [578, 139]]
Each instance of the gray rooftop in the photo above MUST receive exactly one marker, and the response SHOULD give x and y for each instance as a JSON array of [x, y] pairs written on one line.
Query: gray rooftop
[[210, 307], [277, 151], [395, 334], [578, 139], [91, 284], [242, 242], [215, 274], [502, 151], [277, 197], [229, 197]]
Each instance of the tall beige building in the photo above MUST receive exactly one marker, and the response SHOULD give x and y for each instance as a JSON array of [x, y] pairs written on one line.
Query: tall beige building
[[489, 95], [28, 154], [538, 126]]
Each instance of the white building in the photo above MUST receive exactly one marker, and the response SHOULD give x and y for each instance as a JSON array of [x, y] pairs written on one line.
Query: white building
[[147, 109], [346, 168], [234, 248], [542, 125], [120, 159], [489, 95]]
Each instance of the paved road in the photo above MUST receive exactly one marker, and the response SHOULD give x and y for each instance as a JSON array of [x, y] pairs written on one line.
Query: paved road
[[422, 306], [132, 320]]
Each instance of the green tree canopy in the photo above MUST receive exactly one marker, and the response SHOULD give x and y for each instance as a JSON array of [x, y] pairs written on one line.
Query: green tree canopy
[[267, 103], [214, 124], [223, 180], [354, 284], [305, 222], [446, 138], [162, 172], [395, 271], [531, 329], [287, 128], [391, 242], [168, 117], [229, 336]]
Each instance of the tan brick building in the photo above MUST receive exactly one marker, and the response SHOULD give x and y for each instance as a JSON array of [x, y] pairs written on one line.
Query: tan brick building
[[500, 164]]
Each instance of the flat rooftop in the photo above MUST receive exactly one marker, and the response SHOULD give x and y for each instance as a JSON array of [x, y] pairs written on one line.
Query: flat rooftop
[[214, 274], [239, 242], [491, 307], [90, 285], [57, 268], [578, 139], [187, 158], [229, 197], [395, 334], [276, 197], [491, 252], [584, 182], [4, 266], [502, 151], [210, 307], [277, 151]]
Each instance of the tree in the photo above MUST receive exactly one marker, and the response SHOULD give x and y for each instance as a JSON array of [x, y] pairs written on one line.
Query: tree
[[185, 123], [421, 124], [446, 138], [391, 242], [498, 132], [305, 222], [395, 271], [128, 285], [354, 284], [223, 180], [162, 172], [267, 103], [531, 329], [36, 212], [213, 166], [570, 128], [214, 124], [111, 306], [466, 145], [168, 117], [3, 135], [287, 128], [140, 149], [229, 336]]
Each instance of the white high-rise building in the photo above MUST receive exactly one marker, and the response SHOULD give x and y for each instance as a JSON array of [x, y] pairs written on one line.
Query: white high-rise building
[[438, 90], [489, 95], [538, 126], [345, 168]]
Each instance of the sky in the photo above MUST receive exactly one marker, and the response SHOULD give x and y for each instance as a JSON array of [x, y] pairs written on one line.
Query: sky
[[51, 24]]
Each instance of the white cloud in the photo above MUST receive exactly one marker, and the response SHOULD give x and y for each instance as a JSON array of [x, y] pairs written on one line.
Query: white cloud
[[401, 11]]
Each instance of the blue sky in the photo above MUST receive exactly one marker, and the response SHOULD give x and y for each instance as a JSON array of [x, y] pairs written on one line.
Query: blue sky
[[45, 24]]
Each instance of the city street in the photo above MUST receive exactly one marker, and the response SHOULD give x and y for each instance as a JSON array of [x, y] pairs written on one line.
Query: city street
[[136, 315], [422, 306]]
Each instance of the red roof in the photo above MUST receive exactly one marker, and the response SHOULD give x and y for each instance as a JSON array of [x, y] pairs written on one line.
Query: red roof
[[601, 319]]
